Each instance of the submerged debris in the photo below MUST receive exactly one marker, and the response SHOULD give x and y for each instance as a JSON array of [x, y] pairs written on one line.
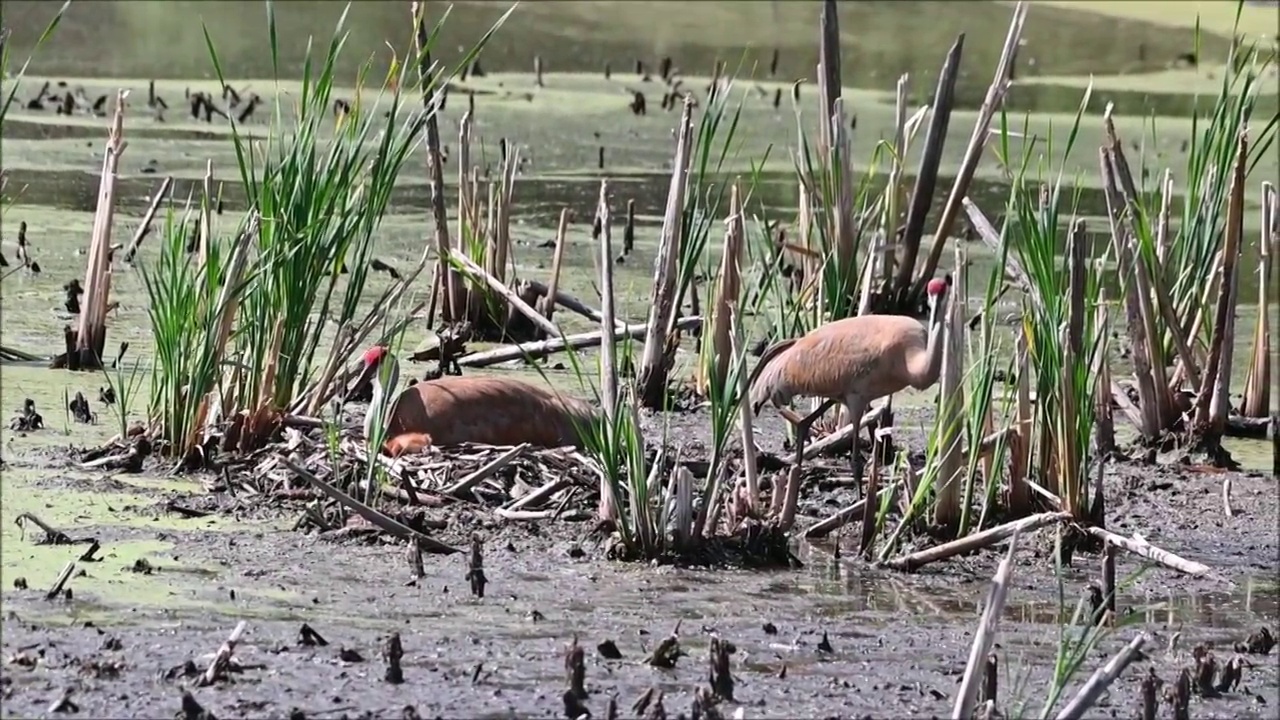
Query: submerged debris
[[29, 420], [79, 407]]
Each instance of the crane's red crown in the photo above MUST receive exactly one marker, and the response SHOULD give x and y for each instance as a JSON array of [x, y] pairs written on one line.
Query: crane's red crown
[[936, 286], [374, 355]]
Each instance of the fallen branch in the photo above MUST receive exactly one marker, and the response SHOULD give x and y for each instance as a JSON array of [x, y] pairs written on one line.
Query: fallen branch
[[61, 582], [537, 497], [977, 541], [513, 299], [569, 302], [837, 439], [1140, 547]]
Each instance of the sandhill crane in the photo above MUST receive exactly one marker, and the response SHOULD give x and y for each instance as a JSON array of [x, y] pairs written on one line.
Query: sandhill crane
[[854, 361], [489, 410]]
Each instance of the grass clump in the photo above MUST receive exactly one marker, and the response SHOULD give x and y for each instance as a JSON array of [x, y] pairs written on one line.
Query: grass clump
[[316, 191]]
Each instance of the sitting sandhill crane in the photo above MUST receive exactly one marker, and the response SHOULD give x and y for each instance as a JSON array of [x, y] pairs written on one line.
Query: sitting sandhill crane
[[854, 361], [488, 410]]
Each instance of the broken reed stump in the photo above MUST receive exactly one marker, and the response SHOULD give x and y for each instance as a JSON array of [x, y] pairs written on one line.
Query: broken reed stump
[[392, 653], [475, 567], [91, 333], [657, 355], [218, 666], [720, 675], [452, 308]]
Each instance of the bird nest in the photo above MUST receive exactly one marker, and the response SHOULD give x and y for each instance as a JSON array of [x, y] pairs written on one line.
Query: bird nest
[[516, 483]]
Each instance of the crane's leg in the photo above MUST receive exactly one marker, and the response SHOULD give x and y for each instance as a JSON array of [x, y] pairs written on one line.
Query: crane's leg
[[856, 408], [803, 424]]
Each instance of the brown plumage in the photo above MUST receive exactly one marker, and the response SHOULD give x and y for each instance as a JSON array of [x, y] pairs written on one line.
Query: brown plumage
[[488, 410], [852, 361]]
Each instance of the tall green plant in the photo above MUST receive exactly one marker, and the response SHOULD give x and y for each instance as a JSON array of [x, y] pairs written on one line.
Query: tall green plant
[[1060, 317], [321, 196], [186, 302]]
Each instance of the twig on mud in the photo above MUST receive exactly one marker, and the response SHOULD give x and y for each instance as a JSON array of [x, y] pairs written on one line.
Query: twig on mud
[[88, 555], [1139, 546], [506, 514], [986, 635], [61, 582], [575, 669], [382, 521], [537, 497], [839, 519], [976, 541], [64, 704], [415, 559], [668, 651], [1101, 679], [220, 661], [1150, 694], [52, 536], [465, 484], [1226, 497]]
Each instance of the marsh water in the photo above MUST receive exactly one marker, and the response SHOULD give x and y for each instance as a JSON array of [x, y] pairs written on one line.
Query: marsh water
[[216, 570]]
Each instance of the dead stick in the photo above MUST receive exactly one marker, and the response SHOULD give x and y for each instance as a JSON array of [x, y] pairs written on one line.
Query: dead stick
[[986, 635], [373, 516], [1101, 679], [141, 233], [1226, 497], [537, 497], [465, 484], [549, 297], [844, 434], [223, 657], [977, 541], [542, 348], [838, 520], [61, 582], [1139, 546], [53, 535], [569, 302], [496, 285]]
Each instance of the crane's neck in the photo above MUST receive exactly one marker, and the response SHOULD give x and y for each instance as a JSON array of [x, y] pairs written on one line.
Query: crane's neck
[[933, 350]]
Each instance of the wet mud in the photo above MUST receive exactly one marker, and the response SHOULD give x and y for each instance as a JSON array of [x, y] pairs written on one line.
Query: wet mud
[[833, 638]]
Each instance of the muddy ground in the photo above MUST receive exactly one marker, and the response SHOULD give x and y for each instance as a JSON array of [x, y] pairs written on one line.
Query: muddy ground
[[896, 644]]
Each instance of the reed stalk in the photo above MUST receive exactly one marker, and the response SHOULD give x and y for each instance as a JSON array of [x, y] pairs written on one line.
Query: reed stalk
[[1257, 387]]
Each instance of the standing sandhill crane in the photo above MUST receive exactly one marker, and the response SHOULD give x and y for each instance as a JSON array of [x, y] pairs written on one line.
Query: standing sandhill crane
[[488, 410], [854, 361]]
